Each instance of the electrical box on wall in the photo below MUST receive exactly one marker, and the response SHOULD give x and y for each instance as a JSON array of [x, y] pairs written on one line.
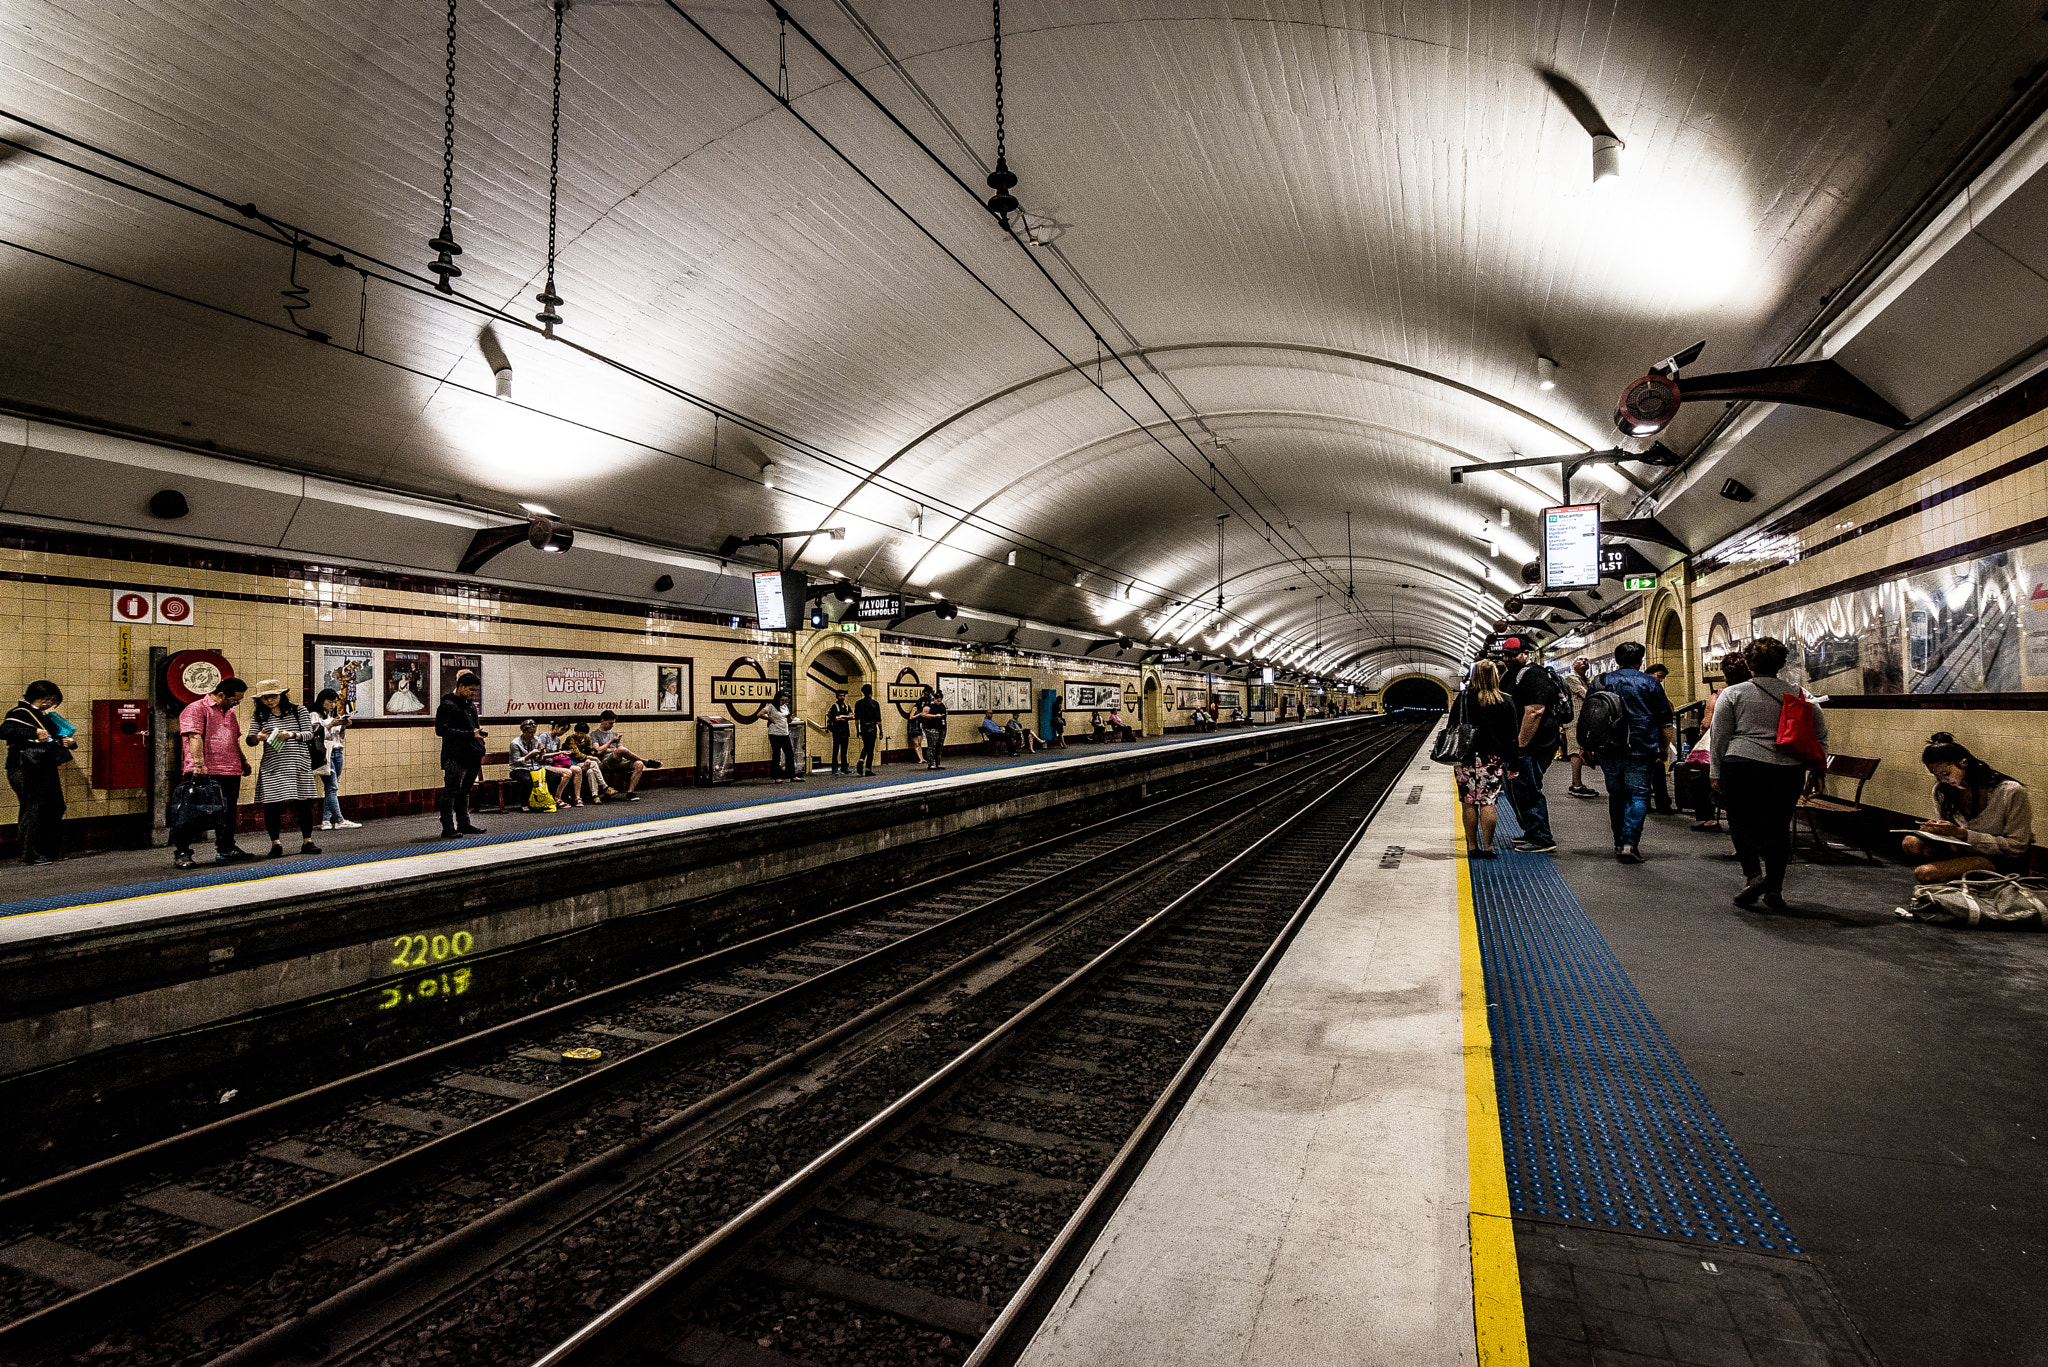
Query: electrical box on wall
[[120, 743]]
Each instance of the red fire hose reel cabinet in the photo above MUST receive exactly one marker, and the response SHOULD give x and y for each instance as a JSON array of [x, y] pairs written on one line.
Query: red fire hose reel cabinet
[[120, 743]]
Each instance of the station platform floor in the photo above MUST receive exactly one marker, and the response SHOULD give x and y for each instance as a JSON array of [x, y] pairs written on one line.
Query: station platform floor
[[1558, 1110], [99, 877]]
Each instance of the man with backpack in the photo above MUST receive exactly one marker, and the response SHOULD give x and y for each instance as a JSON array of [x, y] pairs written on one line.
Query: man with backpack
[[1627, 723], [1540, 699]]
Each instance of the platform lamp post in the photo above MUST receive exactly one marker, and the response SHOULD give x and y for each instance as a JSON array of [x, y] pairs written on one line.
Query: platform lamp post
[[793, 609]]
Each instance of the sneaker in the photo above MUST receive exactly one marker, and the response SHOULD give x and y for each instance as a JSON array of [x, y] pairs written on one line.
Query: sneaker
[[234, 854], [1533, 846], [471, 830], [326, 825], [1627, 854], [627, 797], [1775, 901], [451, 835], [276, 851], [186, 861], [1751, 890], [1485, 854], [348, 825], [1582, 791], [309, 848]]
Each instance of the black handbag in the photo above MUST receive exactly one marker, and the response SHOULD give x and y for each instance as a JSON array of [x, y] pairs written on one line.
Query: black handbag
[[195, 801], [1458, 741], [44, 756]]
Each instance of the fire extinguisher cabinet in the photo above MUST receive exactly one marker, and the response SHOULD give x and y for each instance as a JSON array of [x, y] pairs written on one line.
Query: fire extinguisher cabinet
[[120, 743]]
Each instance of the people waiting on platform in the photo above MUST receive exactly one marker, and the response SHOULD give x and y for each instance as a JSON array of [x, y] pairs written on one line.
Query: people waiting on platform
[[992, 731], [1492, 715], [1575, 684], [915, 727], [781, 756], [1758, 783], [529, 754], [281, 732], [579, 756], [1983, 820], [1201, 720], [1020, 736], [1734, 670], [1097, 731], [1059, 724], [212, 738], [839, 723], [462, 754], [1537, 691], [933, 714], [1660, 790], [334, 725], [867, 717], [1117, 729], [1626, 759], [619, 763], [35, 754]]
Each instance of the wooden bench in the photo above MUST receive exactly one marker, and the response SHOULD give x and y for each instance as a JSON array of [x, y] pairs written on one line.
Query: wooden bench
[[1816, 801]]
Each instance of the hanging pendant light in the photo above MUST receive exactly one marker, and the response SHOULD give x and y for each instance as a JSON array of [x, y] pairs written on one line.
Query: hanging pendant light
[[448, 248], [1002, 180], [548, 300]]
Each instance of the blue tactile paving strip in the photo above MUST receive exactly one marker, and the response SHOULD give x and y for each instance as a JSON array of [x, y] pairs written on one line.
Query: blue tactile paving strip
[[1600, 1118]]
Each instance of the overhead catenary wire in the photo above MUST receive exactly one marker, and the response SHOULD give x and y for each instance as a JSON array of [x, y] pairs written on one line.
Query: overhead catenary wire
[[1307, 561]]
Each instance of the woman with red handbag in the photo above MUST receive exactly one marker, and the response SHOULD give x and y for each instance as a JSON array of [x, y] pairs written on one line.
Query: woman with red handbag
[[1766, 735]]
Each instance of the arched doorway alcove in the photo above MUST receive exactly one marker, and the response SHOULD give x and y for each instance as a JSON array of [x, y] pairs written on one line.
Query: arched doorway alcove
[[1416, 690]]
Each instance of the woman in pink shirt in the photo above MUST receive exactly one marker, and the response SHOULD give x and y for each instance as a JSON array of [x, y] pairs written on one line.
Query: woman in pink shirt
[[212, 746]]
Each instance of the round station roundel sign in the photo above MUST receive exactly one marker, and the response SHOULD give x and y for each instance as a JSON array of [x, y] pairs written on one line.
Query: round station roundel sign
[[906, 691], [744, 690], [190, 675]]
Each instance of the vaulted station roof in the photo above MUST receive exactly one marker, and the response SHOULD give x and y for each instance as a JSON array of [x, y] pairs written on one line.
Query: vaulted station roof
[[1281, 267]]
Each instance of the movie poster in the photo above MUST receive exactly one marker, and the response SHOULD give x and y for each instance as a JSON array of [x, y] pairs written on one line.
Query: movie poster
[[452, 667], [351, 671], [670, 691], [406, 687]]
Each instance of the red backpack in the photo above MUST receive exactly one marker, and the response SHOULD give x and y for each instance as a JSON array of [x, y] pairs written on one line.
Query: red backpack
[[1797, 734]]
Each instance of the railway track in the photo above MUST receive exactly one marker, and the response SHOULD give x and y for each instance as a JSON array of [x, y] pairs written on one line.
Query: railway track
[[384, 1196]]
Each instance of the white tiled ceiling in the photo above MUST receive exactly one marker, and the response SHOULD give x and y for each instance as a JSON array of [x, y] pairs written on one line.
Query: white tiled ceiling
[[1342, 231]]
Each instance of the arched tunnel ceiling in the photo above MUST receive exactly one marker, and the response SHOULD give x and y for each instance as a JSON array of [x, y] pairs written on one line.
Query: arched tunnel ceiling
[[1328, 241]]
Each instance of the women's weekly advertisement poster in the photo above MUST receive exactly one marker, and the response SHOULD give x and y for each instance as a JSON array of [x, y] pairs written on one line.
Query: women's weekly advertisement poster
[[351, 671], [454, 667], [405, 683]]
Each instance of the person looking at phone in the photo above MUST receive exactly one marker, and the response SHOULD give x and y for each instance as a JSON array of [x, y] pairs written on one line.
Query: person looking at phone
[[462, 754], [34, 754], [1987, 812]]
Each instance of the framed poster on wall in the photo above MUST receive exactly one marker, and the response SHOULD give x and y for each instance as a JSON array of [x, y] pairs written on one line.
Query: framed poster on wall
[[402, 681], [1093, 697], [978, 693]]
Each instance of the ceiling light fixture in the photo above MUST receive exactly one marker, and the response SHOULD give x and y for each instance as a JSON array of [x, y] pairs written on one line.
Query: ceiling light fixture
[[1011, 560], [443, 265], [1546, 373], [538, 509], [768, 473], [548, 300]]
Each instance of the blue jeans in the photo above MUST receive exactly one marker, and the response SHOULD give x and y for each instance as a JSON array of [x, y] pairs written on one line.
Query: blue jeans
[[331, 809], [1628, 794], [1524, 793]]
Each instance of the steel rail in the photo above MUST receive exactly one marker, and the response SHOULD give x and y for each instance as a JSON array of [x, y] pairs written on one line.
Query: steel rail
[[623, 1325], [452, 1261], [1027, 1308], [126, 1296], [38, 1200]]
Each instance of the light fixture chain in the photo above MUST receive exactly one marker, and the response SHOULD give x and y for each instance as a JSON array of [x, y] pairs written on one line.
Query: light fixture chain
[[1002, 180], [548, 299], [998, 5], [782, 58], [447, 248]]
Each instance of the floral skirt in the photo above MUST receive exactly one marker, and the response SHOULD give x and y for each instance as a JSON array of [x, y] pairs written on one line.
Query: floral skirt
[[1479, 782]]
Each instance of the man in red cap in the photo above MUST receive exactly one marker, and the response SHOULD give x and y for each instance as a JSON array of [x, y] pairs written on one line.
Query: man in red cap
[[1535, 690]]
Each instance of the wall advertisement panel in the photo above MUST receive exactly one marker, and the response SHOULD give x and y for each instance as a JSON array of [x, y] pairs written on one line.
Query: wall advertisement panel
[[973, 693], [1969, 627], [1188, 699], [1092, 697], [403, 682]]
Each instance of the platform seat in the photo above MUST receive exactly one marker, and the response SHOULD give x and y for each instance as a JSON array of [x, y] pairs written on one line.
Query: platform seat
[[1816, 801]]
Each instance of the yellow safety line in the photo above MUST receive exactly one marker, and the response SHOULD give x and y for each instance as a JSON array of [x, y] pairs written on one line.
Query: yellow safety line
[[1503, 1340]]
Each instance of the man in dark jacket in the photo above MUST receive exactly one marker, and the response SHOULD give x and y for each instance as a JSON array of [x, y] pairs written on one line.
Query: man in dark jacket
[[837, 718], [867, 715], [462, 754], [1626, 764]]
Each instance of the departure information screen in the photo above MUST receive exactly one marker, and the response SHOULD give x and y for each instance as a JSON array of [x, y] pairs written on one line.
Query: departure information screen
[[771, 611], [1571, 546]]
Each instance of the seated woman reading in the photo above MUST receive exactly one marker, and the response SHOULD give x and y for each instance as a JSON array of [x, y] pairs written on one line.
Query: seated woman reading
[[1975, 804]]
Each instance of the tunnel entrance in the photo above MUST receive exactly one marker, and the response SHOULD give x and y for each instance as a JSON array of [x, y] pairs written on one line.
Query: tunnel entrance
[[1415, 692]]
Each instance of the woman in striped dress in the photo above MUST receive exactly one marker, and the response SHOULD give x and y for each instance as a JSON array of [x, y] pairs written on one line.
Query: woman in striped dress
[[280, 728]]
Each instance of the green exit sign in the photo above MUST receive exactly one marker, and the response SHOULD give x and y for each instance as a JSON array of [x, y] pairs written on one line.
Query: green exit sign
[[1639, 583], [850, 628]]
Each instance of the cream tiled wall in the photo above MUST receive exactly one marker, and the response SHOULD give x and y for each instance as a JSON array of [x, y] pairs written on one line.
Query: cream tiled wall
[[64, 631], [2013, 740]]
